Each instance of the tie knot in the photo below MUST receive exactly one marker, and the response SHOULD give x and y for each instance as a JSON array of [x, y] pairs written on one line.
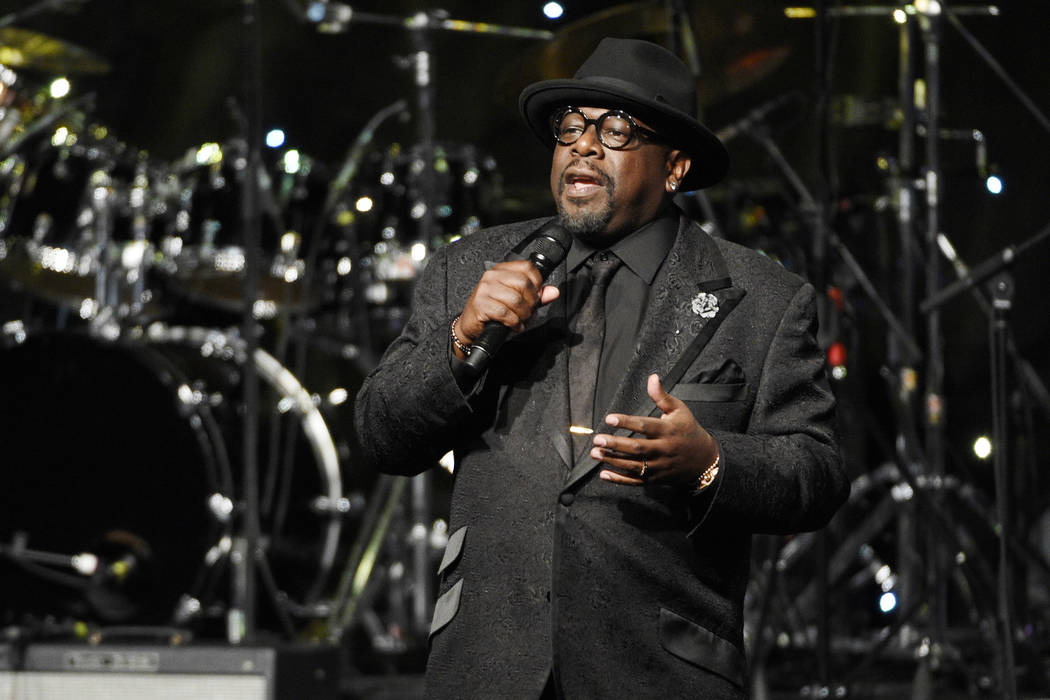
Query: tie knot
[[603, 265]]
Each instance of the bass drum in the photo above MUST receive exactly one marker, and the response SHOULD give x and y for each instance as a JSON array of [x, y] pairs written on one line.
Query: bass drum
[[130, 451]]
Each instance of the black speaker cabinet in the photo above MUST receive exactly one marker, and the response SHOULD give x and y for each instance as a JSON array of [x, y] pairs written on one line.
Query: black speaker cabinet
[[119, 672]]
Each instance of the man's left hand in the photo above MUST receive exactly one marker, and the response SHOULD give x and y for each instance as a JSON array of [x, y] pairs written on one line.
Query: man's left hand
[[671, 449]]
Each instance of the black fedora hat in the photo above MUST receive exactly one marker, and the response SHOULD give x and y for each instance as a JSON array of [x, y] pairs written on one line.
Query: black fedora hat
[[645, 80]]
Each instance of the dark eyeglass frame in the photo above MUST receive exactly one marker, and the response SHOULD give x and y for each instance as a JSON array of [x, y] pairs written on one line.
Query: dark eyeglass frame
[[636, 130]]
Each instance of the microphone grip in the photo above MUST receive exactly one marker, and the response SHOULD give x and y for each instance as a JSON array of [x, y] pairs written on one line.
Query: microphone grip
[[482, 350], [548, 248], [494, 334]]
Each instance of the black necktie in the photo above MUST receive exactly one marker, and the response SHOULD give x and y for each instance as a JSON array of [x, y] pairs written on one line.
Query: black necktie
[[589, 323]]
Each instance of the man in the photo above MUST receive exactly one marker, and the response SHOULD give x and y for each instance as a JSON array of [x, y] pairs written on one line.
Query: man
[[611, 565]]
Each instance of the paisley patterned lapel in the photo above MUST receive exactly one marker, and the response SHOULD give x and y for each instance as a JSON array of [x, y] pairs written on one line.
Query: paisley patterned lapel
[[674, 332]]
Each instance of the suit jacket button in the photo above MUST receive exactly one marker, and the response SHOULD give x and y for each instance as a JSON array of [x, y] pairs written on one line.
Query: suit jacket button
[[566, 499]]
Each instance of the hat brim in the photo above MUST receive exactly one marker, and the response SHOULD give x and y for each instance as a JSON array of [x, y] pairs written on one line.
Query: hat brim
[[710, 159]]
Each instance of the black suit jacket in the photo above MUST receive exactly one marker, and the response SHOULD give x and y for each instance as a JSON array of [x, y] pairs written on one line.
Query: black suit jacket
[[629, 592]]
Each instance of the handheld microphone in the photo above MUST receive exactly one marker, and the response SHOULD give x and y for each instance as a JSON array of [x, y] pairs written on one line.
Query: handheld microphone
[[546, 249]]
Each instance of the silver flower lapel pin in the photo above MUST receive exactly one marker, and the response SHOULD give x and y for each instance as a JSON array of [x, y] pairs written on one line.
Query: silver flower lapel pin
[[705, 305]]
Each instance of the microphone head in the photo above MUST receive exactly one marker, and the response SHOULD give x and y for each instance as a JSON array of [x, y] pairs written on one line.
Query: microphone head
[[549, 246]]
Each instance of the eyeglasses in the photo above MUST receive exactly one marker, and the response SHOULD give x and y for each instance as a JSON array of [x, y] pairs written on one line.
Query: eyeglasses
[[615, 129]]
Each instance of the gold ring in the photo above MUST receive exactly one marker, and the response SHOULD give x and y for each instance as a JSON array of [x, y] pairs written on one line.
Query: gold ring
[[645, 465]]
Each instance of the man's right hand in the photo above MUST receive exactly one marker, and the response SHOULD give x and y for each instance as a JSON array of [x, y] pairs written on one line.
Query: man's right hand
[[509, 293]]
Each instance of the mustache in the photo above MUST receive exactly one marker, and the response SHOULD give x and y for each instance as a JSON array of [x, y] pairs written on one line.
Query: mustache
[[580, 163]]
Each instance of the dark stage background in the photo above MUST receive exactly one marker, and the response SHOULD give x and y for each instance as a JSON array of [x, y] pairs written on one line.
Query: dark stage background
[[178, 73], [176, 65]]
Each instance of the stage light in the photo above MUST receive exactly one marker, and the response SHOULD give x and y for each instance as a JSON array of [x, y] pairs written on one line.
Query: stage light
[[290, 242], [338, 396], [133, 254], [982, 447], [900, 16], [209, 154], [553, 10], [60, 136], [994, 183], [887, 602], [837, 360], [264, 309], [275, 138], [883, 574], [928, 7], [364, 204], [419, 252], [344, 266], [292, 161], [60, 87], [88, 309]]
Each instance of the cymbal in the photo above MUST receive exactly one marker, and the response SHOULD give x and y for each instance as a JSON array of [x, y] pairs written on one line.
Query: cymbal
[[737, 46], [22, 48]]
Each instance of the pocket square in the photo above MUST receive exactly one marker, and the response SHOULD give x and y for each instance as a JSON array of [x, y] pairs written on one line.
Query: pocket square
[[729, 372]]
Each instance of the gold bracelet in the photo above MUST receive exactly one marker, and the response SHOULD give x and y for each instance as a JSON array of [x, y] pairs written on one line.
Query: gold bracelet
[[709, 475], [464, 348]]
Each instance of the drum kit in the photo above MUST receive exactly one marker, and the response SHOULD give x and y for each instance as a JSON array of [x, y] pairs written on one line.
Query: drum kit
[[122, 362]]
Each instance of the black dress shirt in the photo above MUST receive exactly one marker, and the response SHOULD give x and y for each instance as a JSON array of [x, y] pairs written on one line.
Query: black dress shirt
[[643, 253]]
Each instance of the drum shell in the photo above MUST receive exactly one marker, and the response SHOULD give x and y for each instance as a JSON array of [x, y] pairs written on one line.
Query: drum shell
[[96, 444], [205, 248], [76, 202], [137, 445]]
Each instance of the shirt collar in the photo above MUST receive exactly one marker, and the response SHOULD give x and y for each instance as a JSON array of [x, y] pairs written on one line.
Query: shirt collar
[[643, 250]]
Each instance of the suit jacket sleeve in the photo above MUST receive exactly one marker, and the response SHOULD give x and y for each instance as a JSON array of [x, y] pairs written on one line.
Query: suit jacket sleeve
[[410, 410], [784, 474]]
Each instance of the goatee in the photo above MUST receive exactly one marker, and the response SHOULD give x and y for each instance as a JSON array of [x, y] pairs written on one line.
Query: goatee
[[585, 220]]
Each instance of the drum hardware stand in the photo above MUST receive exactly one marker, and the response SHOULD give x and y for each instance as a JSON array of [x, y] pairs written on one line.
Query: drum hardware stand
[[334, 17], [360, 563], [682, 40], [1001, 288], [809, 208], [929, 21], [930, 24], [246, 552], [818, 208]]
